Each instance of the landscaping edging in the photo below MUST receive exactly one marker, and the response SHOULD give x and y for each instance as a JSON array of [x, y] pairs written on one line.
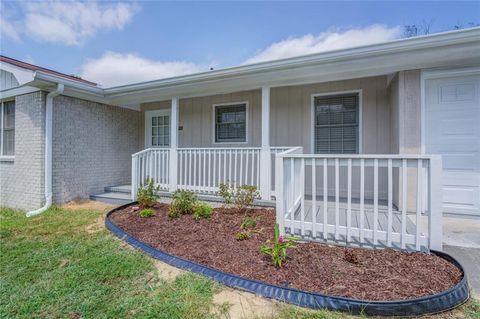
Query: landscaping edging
[[419, 306]]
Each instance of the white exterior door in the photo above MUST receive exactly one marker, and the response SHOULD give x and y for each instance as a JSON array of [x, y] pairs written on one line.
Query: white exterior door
[[157, 128], [452, 129]]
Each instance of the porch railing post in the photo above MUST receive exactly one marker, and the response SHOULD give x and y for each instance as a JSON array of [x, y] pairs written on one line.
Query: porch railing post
[[265, 157], [279, 193], [173, 161], [435, 203], [134, 178]]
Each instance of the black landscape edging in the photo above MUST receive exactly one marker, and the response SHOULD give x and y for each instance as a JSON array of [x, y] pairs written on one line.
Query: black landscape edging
[[440, 302]]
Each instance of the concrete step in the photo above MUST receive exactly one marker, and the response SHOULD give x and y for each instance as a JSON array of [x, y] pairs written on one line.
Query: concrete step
[[126, 189], [115, 198]]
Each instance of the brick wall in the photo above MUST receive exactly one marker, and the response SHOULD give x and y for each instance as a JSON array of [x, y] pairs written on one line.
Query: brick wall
[[92, 147], [22, 181]]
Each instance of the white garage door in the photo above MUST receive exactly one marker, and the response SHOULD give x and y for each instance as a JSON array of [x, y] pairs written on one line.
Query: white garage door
[[452, 119]]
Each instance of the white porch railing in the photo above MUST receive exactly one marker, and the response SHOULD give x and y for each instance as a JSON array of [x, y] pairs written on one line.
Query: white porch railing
[[202, 170], [375, 200], [152, 163]]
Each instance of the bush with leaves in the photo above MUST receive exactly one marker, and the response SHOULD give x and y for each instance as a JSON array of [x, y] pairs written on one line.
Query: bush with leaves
[[202, 210], [183, 203], [241, 197], [243, 235], [278, 249], [248, 223], [147, 194], [146, 212]]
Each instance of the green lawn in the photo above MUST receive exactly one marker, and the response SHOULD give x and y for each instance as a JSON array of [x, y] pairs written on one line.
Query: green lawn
[[52, 267]]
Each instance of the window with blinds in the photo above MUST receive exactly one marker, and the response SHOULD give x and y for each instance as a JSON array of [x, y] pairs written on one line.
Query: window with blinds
[[7, 128], [336, 124], [231, 123]]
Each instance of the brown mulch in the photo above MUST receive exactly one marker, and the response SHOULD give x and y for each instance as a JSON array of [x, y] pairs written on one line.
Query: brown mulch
[[381, 274]]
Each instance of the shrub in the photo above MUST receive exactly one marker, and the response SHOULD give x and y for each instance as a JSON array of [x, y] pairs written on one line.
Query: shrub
[[248, 222], [146, 212], [183, 203], [147, 194], [278, 249], [202, 210], [243, 235], [241, 197]]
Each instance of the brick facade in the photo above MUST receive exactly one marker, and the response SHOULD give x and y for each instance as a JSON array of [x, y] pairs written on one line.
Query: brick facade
[[22, 180]]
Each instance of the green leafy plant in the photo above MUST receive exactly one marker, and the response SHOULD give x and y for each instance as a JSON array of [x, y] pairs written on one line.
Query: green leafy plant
[[183, 203], [248, 223], [202, 210], [146, 212], [241, 197], [277, 249], [243, 235], [147, 194]]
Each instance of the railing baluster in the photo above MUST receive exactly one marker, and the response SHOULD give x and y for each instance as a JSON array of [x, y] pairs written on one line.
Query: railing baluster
[[419, 203], [325, 199], [404, 203], [349, 200], [314, 199], [241, 167], [362, 200], [337, 199], [390, 203], [302, 190], [292, 204], [375, 201]]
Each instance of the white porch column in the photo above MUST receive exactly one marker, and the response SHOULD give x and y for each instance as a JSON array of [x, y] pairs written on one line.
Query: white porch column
[[265, 157], [173, 165]]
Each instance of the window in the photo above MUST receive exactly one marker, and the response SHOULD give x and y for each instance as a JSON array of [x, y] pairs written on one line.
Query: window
[[7, 128], [231, 123], [160, 130], [336, 124]]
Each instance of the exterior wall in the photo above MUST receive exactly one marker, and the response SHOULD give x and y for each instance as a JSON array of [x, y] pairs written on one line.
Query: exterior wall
[[196, 118], [7, 80], [92, 147], [22, 181], [410, 115], [291, 113]]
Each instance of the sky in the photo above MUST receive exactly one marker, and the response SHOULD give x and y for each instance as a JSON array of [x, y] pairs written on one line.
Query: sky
[[114, 43]]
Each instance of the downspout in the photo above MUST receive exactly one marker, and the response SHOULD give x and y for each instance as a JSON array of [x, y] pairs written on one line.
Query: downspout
[[48, 150]]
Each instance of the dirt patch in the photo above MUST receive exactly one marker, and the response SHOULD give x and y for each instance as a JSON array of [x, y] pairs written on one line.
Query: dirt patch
[[242, 304], [381, 274], [97, 226], [88, 205], [167, 272]]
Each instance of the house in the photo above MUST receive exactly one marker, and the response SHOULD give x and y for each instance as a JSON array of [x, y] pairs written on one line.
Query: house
[[356, 123]]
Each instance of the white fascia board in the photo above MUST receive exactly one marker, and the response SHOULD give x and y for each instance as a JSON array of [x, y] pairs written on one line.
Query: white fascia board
[[22, 75], [402, 45]]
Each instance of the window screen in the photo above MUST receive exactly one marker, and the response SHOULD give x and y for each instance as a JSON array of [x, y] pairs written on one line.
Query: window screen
[[336, 124], [231, 123], [8, 129], [161, 130]]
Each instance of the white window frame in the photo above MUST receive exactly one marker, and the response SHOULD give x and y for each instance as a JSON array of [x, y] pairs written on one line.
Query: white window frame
[[360, 116], [214, 123], [148, 126], [5, 158]]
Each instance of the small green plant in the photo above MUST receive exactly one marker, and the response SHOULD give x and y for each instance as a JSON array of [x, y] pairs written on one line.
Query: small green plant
[[147, 194], [248, 223], [202, 210], [241, 197], [278, 249], [183, 203], [243, 235], [146, 212]]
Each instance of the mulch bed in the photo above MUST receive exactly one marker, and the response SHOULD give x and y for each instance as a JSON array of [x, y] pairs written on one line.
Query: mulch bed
[[381, 274]]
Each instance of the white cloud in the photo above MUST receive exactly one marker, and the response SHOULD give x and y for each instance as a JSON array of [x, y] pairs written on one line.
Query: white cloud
[[113, 69], [8, 30], [326, 41], [71, 23]]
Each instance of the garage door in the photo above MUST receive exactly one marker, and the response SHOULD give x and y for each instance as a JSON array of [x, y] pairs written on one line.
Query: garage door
[[452, 119]]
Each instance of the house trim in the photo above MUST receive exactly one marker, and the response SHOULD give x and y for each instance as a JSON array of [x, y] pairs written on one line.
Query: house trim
[[247, 120], [437, 74], [360, 116]]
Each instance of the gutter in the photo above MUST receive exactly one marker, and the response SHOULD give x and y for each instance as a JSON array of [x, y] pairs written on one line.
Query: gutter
[[48, 150]]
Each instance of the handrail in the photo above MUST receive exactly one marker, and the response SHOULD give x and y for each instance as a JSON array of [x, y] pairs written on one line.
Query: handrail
[[290, 154]]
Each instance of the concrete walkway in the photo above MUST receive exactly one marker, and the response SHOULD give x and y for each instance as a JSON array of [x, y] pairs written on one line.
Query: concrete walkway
[[461, 239]]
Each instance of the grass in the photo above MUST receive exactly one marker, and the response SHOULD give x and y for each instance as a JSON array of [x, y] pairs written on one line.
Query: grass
[[55, 266]]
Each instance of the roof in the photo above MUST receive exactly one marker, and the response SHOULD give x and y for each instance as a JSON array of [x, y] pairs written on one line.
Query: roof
[[35, 68]]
